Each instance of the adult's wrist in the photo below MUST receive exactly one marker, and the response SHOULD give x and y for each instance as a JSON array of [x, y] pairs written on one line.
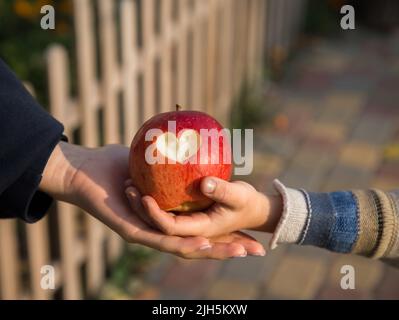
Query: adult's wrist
[[61, 168]]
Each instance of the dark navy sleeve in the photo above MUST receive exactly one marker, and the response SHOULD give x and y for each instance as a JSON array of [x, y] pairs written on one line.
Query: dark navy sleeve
[[28, 135]]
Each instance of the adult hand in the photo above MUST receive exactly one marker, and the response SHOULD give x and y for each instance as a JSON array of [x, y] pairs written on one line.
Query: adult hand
[[94, 180]]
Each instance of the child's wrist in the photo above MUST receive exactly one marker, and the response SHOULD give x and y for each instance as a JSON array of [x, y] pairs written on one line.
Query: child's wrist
[[270, 210]]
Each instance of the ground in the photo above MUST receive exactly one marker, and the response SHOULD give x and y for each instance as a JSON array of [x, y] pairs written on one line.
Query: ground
[[339, 130]]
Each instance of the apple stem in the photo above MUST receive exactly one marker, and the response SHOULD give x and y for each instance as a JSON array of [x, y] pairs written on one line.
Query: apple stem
[[178, 107]]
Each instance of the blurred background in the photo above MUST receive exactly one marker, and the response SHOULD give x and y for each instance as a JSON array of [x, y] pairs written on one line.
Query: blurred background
[[323, 103]]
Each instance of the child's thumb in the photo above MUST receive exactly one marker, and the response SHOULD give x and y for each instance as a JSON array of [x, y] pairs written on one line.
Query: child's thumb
[[218, 190]]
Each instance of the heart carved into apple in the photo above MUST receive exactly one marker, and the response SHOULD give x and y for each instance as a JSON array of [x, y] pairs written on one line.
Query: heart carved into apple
[[181, 148], [187, 146]]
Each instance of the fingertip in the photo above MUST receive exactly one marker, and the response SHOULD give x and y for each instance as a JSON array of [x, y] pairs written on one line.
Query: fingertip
[[202, 243], [240, 252], [205, 247], [192, 245], [149, 203], [132, 190], [146, 201], [256, 249], [258, 253], [237, 250], [208, 185]]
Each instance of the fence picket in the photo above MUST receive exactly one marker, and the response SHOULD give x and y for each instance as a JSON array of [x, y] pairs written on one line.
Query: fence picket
[[110, 72], [166, 57], [58, 88], [149, 69], [210, 57], [39, 256], [88, 102], [182, 55], [129, 60], [9, 264]]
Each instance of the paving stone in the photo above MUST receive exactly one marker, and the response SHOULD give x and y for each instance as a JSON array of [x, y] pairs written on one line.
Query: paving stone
[[391, 153], [388, 288], [335, 293], [345, 102], [368, 273], [262, 237], [386, 177], [385, 183], [360, 155], [232, 290], [272, 261], [277, 144], [157, 268], [313, 157], [333, 132], [389, 84], [373, 130], [171, 294], [314, 80], [352, 82], [296, 177], [261, 182], [247, 270], [383, 102], [388, 170], [345, 178], [254, 269], [268, 164], [149, 293], [308, 169], [329, 63], [298, 106], [324, 145], [379, 108], [296, 278], [395, 66], [189, 277], [311, 252]]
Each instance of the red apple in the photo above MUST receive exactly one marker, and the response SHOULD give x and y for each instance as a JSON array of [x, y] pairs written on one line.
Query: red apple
[[197, 147]]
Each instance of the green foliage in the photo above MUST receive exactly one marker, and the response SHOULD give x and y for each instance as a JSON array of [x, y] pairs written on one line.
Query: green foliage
[[322, 17], [23, 42], [250, 108], [131, 263]]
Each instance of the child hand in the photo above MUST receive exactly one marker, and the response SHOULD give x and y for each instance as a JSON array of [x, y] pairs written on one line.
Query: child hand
[[237, 206], [223, 246]]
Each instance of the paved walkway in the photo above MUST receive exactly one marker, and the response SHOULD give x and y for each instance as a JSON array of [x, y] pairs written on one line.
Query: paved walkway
[[338, 128]]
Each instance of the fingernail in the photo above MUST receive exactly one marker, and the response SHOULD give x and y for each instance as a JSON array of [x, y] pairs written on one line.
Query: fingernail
[[242, 255], [259, 254], [205, 247], [210, 186]]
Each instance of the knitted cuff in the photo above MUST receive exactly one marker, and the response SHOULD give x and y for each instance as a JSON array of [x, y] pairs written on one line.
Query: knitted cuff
[[293, 218], [368, 223], [394, 251], [388, 222]]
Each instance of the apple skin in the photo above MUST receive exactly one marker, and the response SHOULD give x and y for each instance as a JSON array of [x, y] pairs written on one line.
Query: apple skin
[[176, 186]]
